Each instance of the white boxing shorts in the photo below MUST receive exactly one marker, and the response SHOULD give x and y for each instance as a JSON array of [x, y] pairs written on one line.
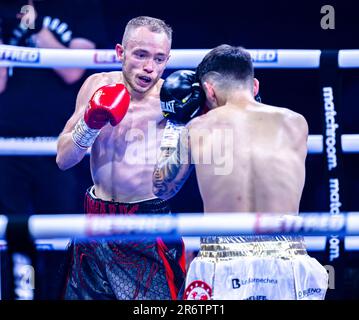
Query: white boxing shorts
[[255, 268]]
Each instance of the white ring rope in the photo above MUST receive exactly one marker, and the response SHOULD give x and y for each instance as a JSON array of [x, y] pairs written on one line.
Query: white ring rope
[[54, 232], [348, 58], [46, 146], [190, 225], [180, 58]]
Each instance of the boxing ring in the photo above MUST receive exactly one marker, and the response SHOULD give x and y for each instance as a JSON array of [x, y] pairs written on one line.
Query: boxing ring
[[321, 230]]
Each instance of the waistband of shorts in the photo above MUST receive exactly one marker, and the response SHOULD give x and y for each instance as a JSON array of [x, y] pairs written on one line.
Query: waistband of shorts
[[98, 205], [227, 248]]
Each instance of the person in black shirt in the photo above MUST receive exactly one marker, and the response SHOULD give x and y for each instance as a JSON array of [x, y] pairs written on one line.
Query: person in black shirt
[[36, 102]]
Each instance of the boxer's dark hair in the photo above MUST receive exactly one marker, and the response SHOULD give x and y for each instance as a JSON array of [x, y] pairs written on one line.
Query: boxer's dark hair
[[229, 62], [153, 24]]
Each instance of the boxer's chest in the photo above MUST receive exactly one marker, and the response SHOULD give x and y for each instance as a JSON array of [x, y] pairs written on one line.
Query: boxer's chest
[[140, 128]]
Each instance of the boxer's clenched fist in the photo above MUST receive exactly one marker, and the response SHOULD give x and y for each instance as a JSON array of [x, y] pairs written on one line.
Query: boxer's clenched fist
[[108, 104], [181, 96]]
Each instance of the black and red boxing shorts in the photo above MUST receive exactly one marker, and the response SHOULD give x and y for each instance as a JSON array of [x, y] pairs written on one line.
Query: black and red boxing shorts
[[125, 270]]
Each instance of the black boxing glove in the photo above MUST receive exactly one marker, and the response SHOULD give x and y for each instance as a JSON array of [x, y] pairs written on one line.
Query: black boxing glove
[[182, 99], [181, 96]]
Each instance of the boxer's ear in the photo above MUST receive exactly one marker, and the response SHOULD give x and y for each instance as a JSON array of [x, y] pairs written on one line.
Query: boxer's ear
[[210, 95], [208, 89], [119, 51], [255, 86]]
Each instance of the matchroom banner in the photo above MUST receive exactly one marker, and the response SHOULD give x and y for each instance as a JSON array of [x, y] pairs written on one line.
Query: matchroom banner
[[330, 92]]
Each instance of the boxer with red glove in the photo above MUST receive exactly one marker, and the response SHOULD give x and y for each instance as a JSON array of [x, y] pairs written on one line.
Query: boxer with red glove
[[121, 169], [108, 104]]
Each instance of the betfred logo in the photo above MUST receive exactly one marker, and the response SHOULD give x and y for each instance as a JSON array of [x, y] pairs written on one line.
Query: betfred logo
[[264, 56], [106, 56], [19, 55], [198, 290]]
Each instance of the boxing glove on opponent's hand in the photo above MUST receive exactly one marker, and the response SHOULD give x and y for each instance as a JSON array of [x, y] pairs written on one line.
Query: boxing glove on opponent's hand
[[182, 99]]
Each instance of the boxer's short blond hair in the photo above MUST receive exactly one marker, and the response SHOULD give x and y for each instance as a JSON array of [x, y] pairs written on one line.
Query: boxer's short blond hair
[[153, 24]]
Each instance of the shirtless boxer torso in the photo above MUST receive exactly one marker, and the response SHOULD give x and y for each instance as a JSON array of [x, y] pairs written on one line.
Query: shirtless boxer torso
[[268, 157], [124, 135], [262, 170], [120, 153]]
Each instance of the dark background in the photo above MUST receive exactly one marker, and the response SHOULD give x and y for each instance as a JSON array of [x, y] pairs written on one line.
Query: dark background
[[252, 24]]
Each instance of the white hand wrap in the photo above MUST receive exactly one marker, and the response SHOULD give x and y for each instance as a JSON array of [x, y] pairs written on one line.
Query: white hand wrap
[[171, 135], [83, 136]]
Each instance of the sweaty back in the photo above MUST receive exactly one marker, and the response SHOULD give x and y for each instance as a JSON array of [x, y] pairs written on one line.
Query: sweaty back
[[246, 160]]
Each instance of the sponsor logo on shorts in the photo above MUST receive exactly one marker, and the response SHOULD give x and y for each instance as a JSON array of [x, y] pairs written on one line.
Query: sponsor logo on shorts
[[198, 290], [18, 55], [256, 298], [309, 292], [237, 283]]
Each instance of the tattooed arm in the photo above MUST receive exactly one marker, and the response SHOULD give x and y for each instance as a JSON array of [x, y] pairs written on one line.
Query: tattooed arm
[[173, 166]]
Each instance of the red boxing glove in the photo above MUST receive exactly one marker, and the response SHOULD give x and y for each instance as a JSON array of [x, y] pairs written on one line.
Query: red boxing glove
[[108, 104]]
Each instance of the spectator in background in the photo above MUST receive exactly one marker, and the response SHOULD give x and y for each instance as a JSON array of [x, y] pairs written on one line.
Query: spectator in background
[[36, 102]]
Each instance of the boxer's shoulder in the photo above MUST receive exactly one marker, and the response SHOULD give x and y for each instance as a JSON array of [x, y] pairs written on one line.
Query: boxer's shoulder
[[108, 77], [97, 80], [295, 121], [200, 122], [103, 78], [289, 116], [291, 120], [281, 112]]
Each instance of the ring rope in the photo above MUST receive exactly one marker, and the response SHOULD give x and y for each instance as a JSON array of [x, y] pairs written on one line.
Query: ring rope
[[16, 56], [47, 145], [223, 224]]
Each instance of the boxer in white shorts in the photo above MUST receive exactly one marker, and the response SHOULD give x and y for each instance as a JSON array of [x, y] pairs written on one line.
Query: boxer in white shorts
[[255, 268], [257, 158]]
